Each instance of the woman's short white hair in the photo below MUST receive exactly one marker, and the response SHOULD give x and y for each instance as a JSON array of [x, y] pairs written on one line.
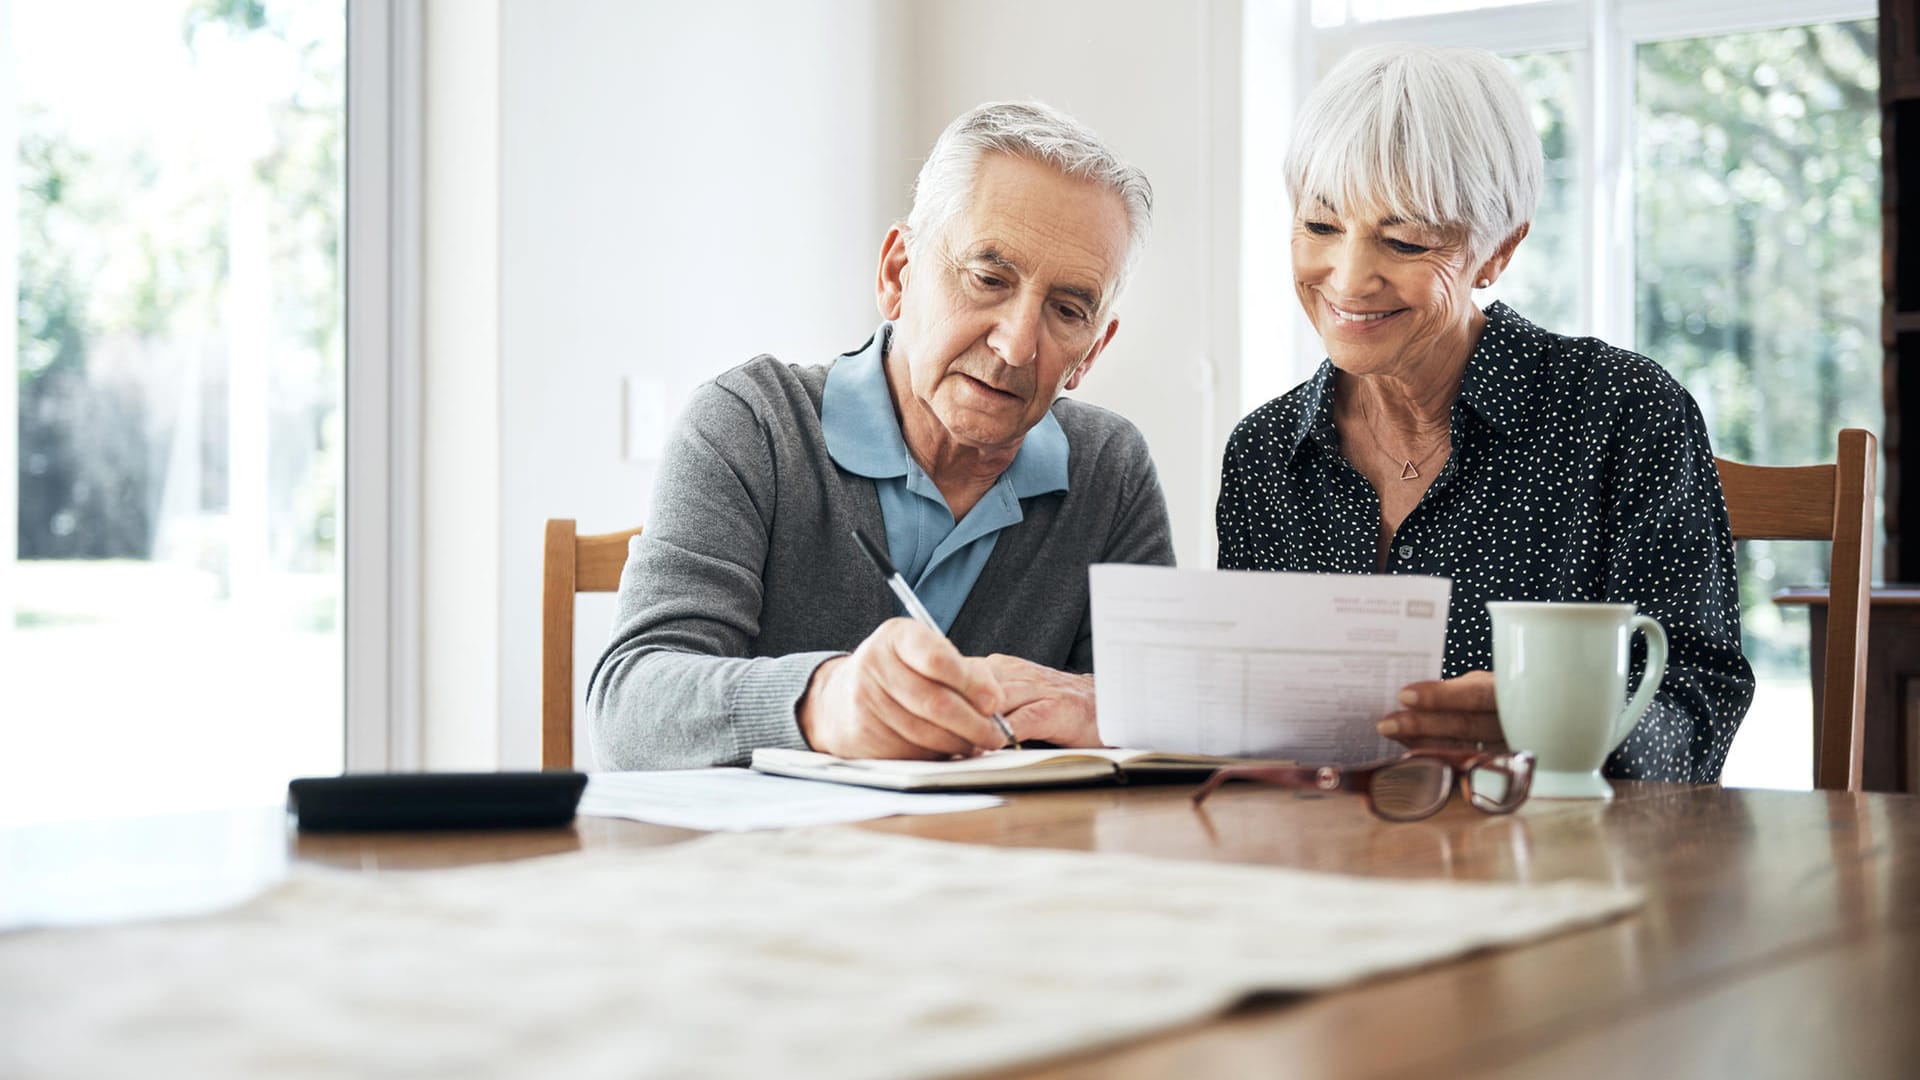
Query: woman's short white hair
[[1039, 133], [1437, 136]]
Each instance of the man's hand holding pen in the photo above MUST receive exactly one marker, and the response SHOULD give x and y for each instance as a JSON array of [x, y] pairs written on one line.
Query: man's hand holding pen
[[906, 692]]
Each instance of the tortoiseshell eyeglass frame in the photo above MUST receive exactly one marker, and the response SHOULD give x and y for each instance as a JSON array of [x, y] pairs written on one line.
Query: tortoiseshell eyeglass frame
[[1516, 765]]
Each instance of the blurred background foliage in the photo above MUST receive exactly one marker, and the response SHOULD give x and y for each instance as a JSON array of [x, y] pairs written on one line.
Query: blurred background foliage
[[125, 263], [1757, 277]]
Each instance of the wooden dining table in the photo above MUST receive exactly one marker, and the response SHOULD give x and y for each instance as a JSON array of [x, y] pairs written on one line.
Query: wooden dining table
[[1780, 934]]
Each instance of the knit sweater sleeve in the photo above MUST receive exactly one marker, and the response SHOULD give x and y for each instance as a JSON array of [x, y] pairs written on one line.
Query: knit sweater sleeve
[[675, 687]]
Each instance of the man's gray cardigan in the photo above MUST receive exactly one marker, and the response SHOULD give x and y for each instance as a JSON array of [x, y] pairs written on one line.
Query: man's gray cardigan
[[747, 576]]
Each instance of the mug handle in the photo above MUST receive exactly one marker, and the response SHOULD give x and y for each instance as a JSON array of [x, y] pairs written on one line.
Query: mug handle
[[1649, 679]]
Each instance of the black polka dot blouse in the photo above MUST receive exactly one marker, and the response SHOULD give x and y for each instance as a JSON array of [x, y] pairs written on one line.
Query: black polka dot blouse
[[1579, 471]]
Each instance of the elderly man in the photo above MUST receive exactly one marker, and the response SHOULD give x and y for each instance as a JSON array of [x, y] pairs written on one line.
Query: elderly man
[[749, 616]]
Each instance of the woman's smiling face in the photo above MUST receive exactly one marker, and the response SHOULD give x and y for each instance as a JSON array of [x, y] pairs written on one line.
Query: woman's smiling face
[[1386, 296]]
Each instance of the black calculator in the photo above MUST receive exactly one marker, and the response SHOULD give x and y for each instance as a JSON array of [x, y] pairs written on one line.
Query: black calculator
[[463, 800]]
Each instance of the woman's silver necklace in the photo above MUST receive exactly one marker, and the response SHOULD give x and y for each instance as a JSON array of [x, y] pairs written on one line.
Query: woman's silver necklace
[[1409, 467]]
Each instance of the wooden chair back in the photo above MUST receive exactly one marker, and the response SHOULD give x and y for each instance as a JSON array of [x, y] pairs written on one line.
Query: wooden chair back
[[1823, 502], [574, 564]]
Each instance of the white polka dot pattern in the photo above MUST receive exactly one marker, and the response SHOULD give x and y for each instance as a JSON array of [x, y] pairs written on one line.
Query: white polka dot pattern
[[1579, 472]]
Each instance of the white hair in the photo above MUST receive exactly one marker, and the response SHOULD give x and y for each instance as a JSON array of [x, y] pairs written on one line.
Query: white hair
[[1038, 133], [1435, 136]]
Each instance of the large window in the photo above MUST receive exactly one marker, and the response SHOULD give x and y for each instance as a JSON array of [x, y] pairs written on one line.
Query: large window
[[1712, 201], [1757, 283], [174, 638]]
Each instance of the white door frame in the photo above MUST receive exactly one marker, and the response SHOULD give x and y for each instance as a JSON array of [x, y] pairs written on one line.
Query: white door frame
[[382, 496]]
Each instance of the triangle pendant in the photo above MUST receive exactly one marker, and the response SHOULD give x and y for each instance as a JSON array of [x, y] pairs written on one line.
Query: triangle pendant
[[1409, 473]]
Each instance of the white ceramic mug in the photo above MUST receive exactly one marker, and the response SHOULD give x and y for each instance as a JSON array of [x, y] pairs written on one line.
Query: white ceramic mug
[[1559, 676]]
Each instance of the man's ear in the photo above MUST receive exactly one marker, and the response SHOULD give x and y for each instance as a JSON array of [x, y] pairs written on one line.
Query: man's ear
[[890, 282], [1496, 263], [1080, 370]]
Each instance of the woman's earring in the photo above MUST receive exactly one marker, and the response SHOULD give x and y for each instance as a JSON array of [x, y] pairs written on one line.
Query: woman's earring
[[1482, 283]]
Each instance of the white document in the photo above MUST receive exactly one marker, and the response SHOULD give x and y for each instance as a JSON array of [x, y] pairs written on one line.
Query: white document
[[1260, 664], [736, 800]]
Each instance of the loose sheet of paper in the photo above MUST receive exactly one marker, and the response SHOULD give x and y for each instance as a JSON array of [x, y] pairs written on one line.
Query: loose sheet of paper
[[737, 800], [1260, 664]]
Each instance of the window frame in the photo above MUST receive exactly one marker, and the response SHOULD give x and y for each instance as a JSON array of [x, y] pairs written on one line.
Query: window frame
[[381, 546], [9, 335]]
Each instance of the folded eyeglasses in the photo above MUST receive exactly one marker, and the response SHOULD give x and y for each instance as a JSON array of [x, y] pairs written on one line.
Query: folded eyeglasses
[[1407, 788]]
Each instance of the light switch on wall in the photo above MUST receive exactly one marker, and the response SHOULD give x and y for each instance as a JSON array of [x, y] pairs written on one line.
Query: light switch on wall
[[644, 417]]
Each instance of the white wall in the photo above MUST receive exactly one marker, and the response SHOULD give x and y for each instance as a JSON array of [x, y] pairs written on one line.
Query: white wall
[[460, 385], [684, 186], [1277, 342]]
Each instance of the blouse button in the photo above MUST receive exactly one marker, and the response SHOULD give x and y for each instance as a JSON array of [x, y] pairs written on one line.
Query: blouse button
[[1406, 552]]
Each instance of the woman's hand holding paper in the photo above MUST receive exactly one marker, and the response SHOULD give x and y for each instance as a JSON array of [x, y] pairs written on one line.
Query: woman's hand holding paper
[[1447, 713]]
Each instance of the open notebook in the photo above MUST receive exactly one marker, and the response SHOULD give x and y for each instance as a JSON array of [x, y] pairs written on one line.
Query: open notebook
[[990, 771]]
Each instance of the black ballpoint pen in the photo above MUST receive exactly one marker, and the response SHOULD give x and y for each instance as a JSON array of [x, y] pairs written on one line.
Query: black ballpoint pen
[[914, 608]]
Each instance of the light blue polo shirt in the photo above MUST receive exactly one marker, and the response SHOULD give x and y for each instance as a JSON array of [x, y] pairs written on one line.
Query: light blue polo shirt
[[939, 557]]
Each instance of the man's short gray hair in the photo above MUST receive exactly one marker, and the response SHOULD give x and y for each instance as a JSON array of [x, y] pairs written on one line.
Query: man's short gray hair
[[1039, 133], [1437, 136]]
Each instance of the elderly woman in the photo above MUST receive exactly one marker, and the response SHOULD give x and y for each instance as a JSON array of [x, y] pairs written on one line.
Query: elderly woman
[[1440, 438]]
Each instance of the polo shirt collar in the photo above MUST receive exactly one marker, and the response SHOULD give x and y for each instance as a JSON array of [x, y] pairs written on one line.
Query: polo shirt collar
[[862, 430], [1040, 466], [856, 412]]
